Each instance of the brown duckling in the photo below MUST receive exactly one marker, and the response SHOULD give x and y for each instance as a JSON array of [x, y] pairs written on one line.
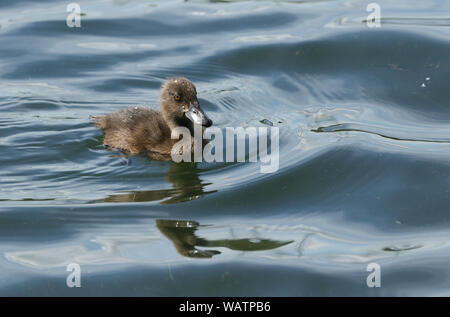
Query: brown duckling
[[142, 130]]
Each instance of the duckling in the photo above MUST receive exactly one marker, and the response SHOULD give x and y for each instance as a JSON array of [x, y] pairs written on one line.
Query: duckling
[[138, 130]]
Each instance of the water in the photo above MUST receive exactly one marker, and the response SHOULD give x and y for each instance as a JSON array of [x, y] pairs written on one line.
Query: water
[[364, 172]]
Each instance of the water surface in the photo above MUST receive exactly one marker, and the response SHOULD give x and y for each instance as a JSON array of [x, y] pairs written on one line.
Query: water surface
[[364, 172]]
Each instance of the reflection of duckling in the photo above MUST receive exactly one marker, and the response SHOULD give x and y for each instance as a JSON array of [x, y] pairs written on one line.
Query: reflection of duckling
[[186, 183], [141, 130], [182, 235]]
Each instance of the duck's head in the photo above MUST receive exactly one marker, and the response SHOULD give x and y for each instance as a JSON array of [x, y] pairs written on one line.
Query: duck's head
[[179, 104]]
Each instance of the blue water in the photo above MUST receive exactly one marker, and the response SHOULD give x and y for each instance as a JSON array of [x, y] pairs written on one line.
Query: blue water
[[364, 119]]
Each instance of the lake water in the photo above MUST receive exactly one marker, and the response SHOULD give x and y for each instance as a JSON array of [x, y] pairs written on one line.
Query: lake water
[[364, 121]]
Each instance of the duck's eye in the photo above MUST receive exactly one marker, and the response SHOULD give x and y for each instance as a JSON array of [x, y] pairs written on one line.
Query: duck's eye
[[177, 98]]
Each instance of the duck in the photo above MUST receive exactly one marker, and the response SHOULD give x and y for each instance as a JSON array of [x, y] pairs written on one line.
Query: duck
[[139, 130]]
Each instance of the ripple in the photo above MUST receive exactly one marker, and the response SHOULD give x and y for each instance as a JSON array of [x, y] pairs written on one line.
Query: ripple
[[351, 127]]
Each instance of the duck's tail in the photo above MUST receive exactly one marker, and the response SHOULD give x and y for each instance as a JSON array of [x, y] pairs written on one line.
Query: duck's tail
[[99, 121]]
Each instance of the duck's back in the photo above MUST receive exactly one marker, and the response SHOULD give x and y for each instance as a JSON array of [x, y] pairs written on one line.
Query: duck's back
[[135, 130]]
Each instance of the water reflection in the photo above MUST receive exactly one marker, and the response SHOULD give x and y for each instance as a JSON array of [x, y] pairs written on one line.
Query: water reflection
[[182, 234], [186, 182]]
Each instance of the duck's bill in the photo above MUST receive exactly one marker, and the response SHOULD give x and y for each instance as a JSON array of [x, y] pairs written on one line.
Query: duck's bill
[[197, 116]]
